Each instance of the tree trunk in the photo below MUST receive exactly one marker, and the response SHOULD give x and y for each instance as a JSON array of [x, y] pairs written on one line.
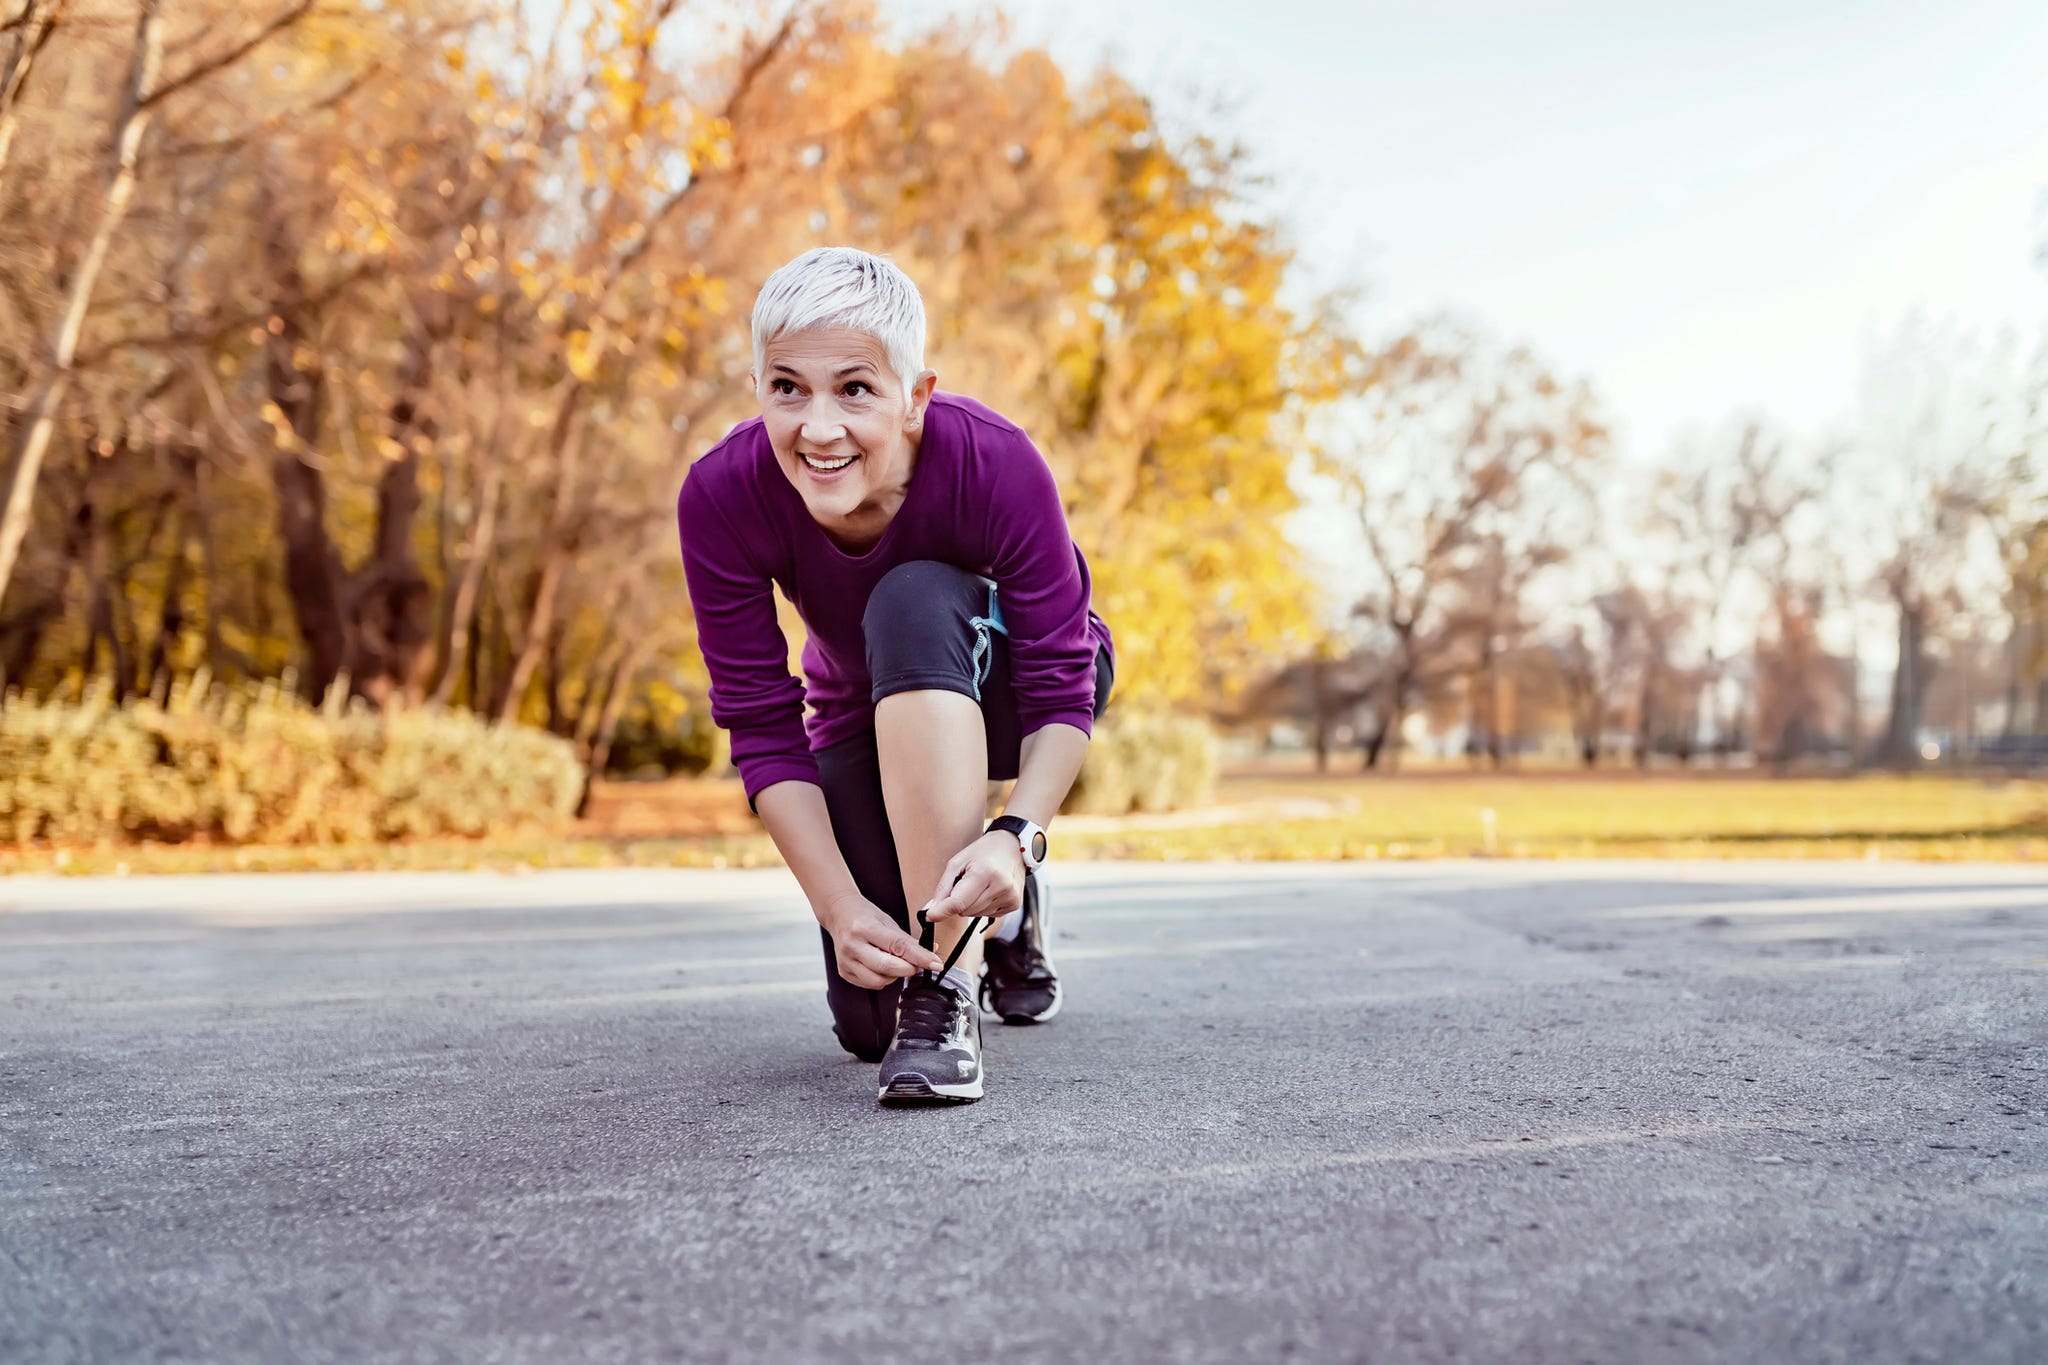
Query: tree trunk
[[1900, 746], [1497, 716], [540, 622], [601, 678], [1319, 698], [1397, 714], [1646, 718], [100, 622], [170, 621], [567, 442], [209, 567], [557, 722], [1475, 712], [32, 32], [459, 648], [1854, 719], [34, 439], [1384, 751], [615, 702], [312, 565], [21, 639], [391, 603]]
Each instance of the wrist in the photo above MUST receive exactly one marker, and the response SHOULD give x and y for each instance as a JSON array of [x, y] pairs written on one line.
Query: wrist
[[1026, 835], [1005, 840], [832, 910]]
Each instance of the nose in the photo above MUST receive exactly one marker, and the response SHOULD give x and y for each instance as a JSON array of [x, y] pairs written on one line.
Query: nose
[[821, 425]]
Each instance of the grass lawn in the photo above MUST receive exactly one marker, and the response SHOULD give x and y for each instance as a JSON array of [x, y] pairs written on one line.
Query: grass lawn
[[1273, 813], [1562, 815]]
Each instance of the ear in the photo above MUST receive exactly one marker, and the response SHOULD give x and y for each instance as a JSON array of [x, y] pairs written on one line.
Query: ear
[[920, 398]]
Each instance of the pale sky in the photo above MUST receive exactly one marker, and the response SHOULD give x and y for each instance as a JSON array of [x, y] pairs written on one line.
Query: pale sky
[[1703, 208]]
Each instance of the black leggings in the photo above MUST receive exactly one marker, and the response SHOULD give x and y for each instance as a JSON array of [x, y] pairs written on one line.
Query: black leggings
[[928, 626]]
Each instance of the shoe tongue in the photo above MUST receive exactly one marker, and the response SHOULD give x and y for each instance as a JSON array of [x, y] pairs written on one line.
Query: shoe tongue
[[933, 983]]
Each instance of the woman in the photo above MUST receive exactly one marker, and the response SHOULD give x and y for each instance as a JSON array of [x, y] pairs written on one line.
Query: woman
[[950, 642]]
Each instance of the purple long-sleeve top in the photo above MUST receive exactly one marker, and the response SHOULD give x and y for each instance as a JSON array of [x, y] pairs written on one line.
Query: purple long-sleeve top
[[981, 497]]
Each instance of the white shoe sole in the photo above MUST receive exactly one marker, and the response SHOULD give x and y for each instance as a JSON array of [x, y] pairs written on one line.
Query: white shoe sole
[[914, 1090]]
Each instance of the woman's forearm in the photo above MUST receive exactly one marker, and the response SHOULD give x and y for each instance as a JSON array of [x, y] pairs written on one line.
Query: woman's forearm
[[801, 827], [1047, 765]]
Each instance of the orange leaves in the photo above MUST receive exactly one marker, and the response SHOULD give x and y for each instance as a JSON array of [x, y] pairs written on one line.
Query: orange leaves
[[710, 143], [581, 355]]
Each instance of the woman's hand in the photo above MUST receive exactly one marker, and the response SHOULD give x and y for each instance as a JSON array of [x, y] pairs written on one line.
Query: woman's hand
[[986, 878], [870, 949]]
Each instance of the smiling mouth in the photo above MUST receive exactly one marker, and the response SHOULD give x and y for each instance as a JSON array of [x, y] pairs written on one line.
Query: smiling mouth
[[823, 465]]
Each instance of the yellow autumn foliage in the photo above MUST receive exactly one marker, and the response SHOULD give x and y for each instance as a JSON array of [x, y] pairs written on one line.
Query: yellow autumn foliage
[[260, 766]]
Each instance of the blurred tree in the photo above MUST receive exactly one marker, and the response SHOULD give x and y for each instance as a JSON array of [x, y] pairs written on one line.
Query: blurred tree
[[1461, 462], [1930, 477]]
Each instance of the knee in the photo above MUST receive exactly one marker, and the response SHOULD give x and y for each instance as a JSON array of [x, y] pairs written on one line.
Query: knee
[[913, 622], [910, 595], [865, 1044], [867, 1026]]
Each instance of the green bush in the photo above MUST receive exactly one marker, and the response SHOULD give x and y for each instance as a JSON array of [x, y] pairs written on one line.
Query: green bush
[[1146, 763], [262, 767]]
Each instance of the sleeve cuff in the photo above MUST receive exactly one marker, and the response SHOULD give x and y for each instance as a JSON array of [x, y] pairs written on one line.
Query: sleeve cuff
[[760, 774], [1081, 718]]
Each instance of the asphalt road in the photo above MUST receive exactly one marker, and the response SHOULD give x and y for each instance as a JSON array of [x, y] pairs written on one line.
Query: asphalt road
[[1560, 1112]]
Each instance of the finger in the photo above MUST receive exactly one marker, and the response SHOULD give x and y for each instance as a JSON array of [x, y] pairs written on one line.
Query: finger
[[999, 900], [879, 960], [854, 974], [911, 951], [966, 893], [860, 976], [994, 904]]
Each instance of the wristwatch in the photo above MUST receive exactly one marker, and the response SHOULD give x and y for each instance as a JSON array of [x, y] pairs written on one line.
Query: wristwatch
[[1030, 838]]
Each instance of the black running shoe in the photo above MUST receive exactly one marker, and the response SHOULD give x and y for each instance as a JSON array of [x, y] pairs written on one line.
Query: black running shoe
[[1018, 982], [936, 1057]]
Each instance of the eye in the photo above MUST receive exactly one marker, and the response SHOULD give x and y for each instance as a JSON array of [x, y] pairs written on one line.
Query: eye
[[859, 388], [782, 386]]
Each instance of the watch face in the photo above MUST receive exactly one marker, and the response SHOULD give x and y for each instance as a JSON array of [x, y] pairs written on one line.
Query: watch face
[[1038, 846]]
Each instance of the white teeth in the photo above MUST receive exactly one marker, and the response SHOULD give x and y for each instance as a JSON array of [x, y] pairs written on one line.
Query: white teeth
[[827, 466]]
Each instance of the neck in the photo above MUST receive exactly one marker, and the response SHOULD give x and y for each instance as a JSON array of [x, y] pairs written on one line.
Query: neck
[[864, 525]]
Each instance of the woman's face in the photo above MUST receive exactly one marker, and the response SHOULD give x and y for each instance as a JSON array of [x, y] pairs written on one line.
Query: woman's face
[[844, 429]]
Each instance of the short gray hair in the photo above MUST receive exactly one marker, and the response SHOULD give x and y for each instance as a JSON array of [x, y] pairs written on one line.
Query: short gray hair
[[842, 286]]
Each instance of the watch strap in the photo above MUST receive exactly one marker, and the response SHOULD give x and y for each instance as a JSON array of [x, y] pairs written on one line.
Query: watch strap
[[1031, 840]]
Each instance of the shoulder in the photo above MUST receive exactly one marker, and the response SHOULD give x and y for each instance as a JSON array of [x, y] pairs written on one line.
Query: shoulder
[[992, 450], [725, 476], [732, 461], [725, 511], [973, 419]]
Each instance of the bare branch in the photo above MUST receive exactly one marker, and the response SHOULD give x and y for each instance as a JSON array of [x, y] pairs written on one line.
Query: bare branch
[[216, 64]]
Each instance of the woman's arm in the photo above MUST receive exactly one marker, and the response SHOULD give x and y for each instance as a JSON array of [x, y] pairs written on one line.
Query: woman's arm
[[1047, 765], [871, 950], [753, 694], [987, 877]]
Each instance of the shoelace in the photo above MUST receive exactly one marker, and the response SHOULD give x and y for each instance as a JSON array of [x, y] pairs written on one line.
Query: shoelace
[[925, 1010], [927, 936]]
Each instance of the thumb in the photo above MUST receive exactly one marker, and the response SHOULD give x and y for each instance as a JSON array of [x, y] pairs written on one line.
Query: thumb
[[942, 899]]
